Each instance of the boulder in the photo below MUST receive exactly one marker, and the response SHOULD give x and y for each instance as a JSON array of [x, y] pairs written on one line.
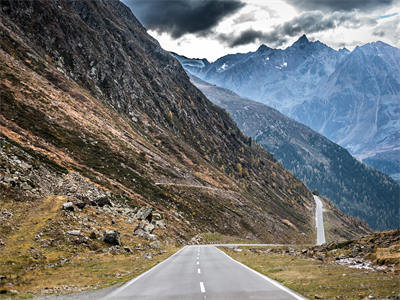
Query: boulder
[[68, 206], [103, 200], [156, 216], [156, 245], [149, 228], [83, 198], [150, 237], [128, 249], [144, 230], [112, 237], [144, 213], [74, 232], [9, 181], [143, 227], [160, 223], [25, 186], [81, 205]]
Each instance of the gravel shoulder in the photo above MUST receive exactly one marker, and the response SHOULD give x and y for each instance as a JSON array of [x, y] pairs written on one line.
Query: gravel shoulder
[[87, 295]]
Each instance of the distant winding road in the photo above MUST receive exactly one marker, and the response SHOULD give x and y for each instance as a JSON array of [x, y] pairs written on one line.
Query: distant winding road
[[205, 272], [319, 221]]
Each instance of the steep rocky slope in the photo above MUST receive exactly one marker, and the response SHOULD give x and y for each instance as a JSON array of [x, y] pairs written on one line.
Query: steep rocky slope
[[355, 188], [87, 91]]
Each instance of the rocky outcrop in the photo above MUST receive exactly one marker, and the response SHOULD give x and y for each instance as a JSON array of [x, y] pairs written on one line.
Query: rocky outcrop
[[68, 206], [144, 213], [149, 220], [378, 252], [112, 237]]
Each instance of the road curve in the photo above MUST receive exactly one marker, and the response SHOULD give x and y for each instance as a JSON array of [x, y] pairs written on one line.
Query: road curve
[[202, 272], [319, 221]]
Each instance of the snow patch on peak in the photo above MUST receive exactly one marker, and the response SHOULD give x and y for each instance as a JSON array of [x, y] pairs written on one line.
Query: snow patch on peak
[[283, 65], [222, 68]]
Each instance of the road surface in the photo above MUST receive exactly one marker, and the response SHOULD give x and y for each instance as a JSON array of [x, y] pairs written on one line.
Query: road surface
[[319, 221], [202, 272]]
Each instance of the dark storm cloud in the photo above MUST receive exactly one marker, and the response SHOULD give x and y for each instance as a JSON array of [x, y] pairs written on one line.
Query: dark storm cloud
[[178, 17], [250, 36], [248, 17], [308, 22], [316, 21], [341, 5]]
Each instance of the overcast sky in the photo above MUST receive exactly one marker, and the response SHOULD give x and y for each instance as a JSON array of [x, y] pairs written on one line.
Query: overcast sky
[[213, 28]]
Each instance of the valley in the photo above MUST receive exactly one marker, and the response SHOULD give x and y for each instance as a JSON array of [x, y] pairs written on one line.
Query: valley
[[116, 171], [321, 164]]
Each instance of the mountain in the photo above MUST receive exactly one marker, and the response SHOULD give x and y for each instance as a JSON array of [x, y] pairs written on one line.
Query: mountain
[[355, 94], [359, 106], [279, 78], [102, 133], [355, 188]]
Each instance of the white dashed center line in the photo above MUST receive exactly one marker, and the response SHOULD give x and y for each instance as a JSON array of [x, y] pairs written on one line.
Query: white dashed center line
[[198, 271], [198, 263], [202, 289]]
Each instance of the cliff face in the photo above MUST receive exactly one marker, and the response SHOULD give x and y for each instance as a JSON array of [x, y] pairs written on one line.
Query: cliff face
[[85, 90]]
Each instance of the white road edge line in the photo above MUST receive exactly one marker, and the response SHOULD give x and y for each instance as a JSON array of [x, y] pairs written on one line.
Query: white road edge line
[[198, 271], [202, 289], [122, 287], [276, 283]]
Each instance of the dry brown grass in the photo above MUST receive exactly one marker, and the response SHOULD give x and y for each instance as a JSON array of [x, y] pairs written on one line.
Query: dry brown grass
[[217, 238], [28, 265], [88, 272], [310, 277]]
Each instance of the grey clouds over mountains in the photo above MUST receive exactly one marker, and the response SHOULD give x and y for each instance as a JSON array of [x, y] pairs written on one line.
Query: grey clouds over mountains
[[179, 17], [309, 22], [341, 5], [201, 17]]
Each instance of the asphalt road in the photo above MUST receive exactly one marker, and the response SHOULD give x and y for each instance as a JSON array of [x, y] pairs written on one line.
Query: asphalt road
[[319, 221], [202, 272]]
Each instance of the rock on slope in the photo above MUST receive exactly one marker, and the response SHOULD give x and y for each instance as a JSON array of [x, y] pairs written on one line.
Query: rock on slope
[[355, 188], [85, 90]]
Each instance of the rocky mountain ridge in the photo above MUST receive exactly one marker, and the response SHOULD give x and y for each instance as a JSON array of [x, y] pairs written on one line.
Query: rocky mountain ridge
[[354, 93], [266, 74]]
